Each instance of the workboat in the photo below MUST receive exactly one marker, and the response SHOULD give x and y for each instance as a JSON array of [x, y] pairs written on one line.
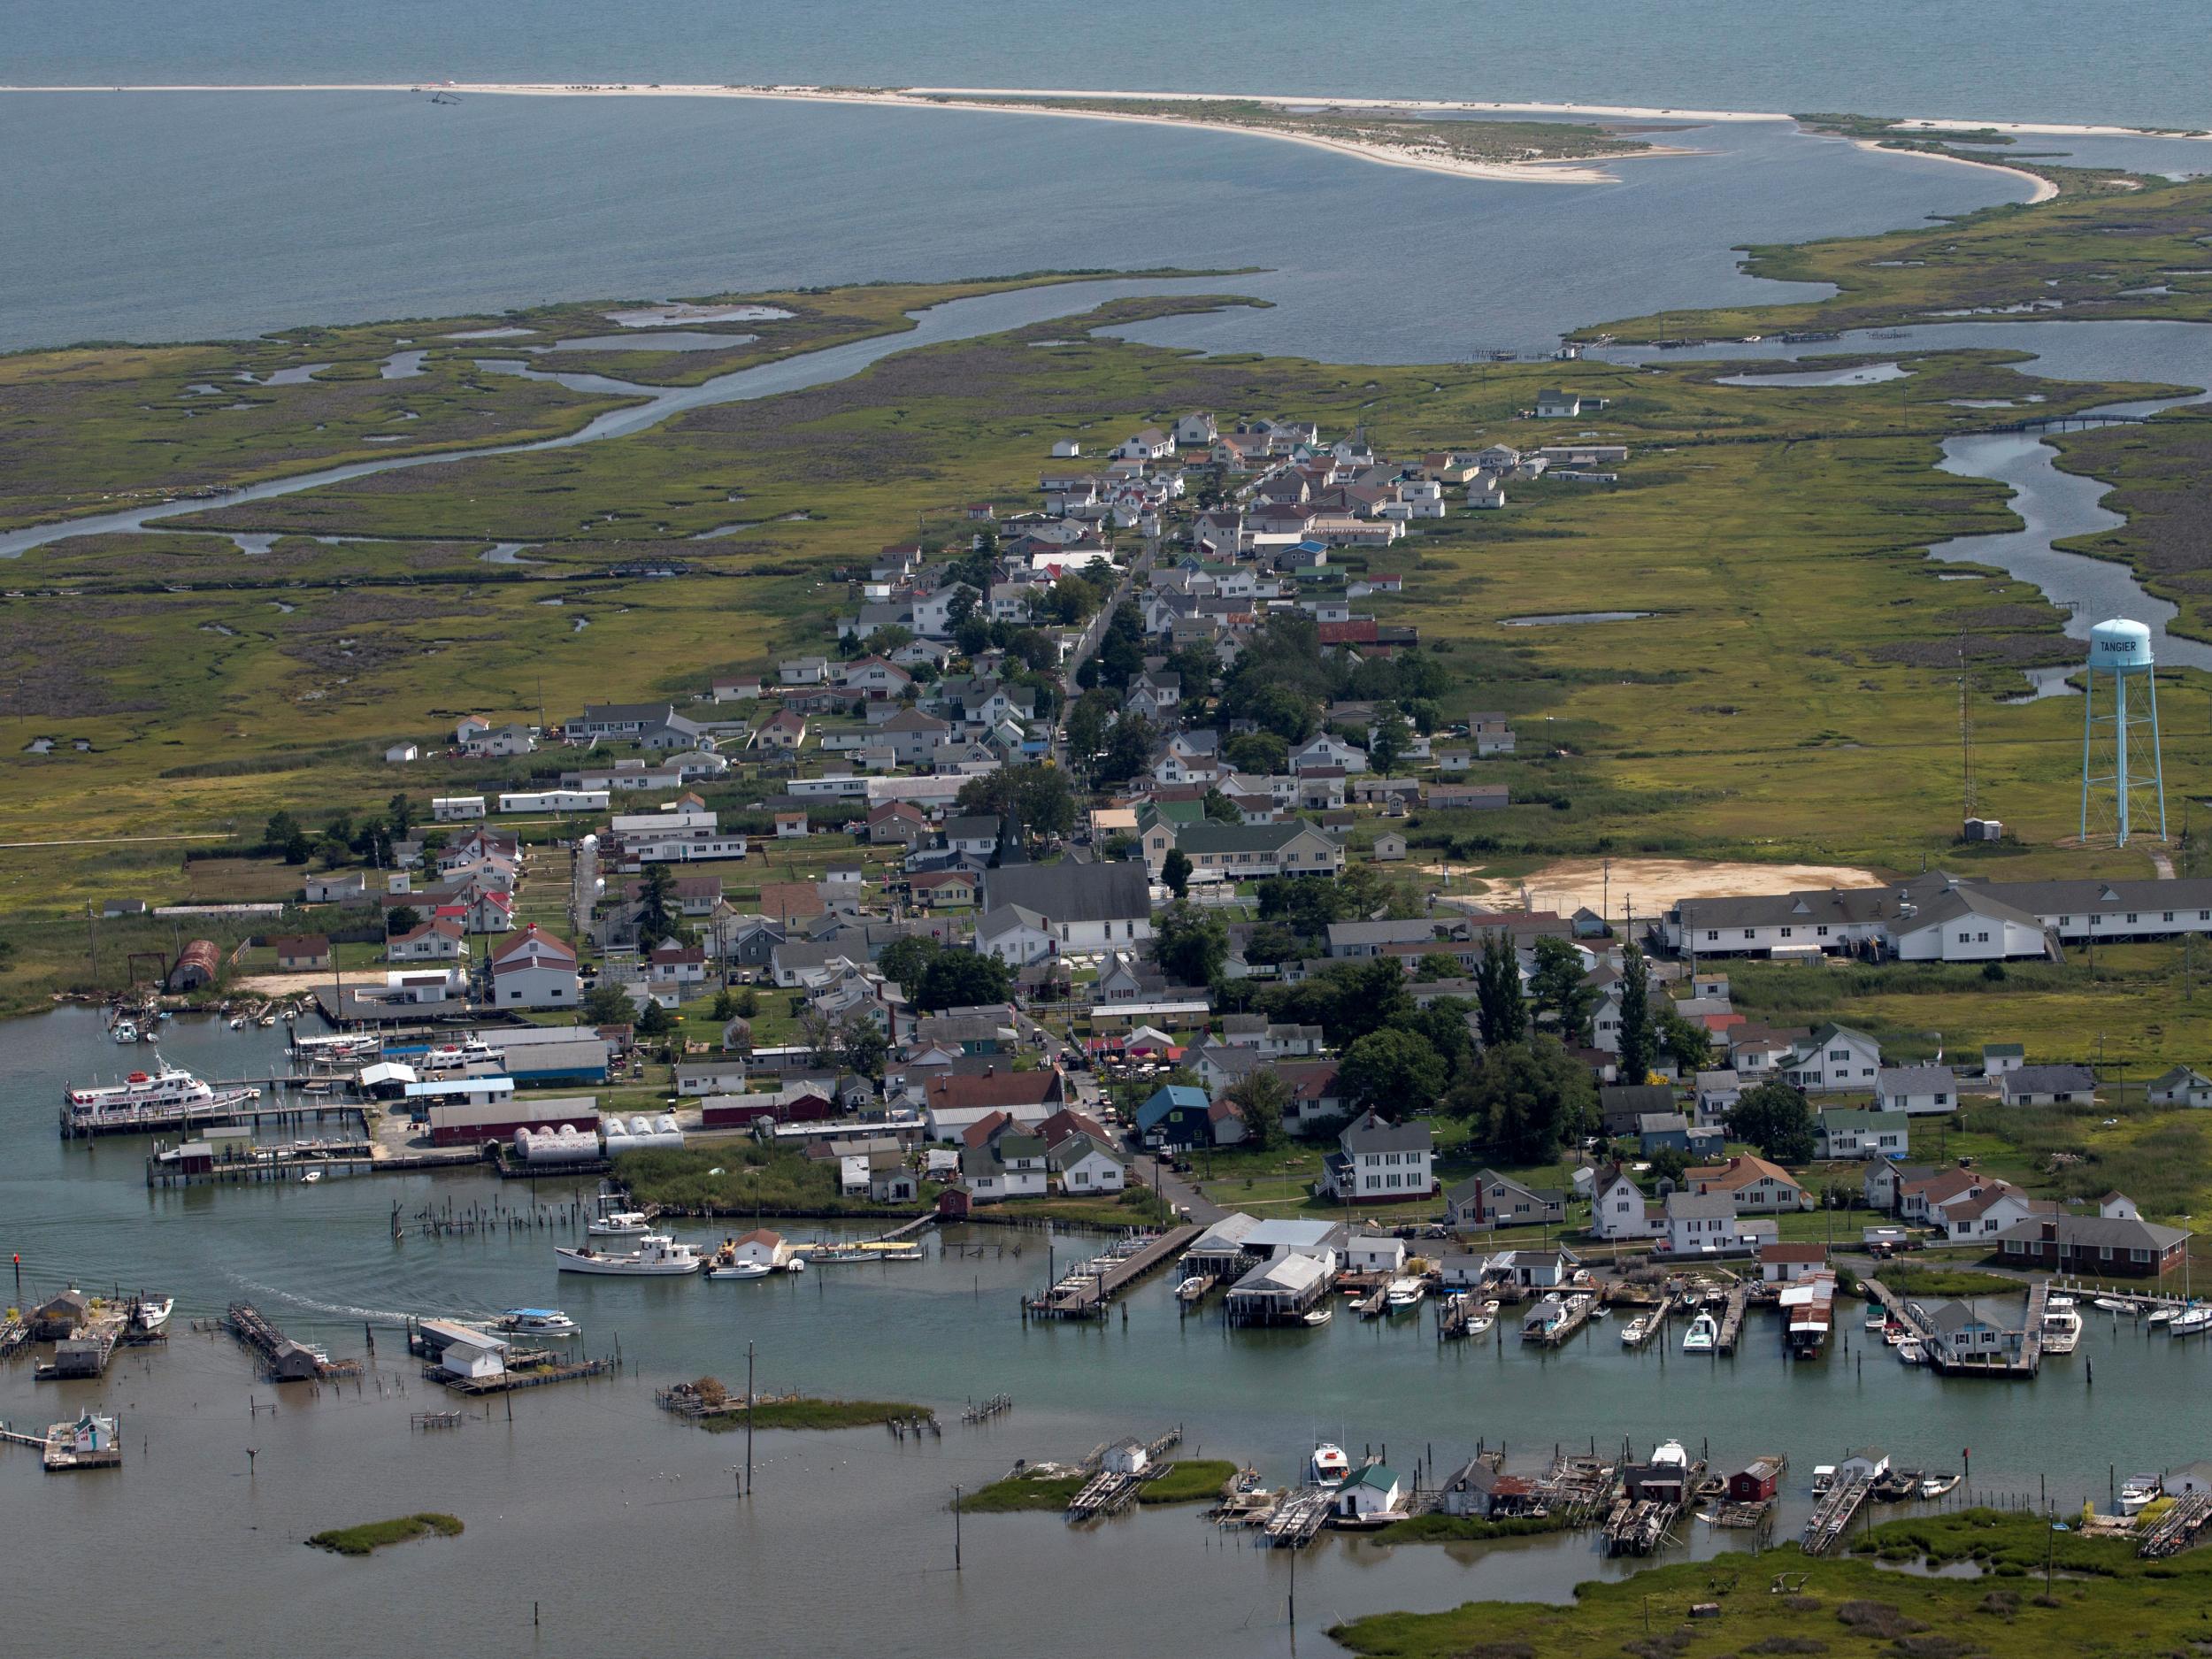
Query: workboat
[[2061, 1331], [161, 1093], [537, 1322], [740, 1270], [2191, 1323], [657, 1255], [1702, 1336], [1328, 1466], [2138, 1492], [1910, 1352], [1192, 1288], [1404, 1295], [620, 1223], [2111, 1304], [1936, 1485], [152, 1313]]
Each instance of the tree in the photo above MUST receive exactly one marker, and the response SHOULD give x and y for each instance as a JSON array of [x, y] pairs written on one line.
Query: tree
[[747, 1001], [1435, 966], [1774, 1117], [1442, 1025], [1668, 1162], [1039, 796], [1394, 1071], [1262, 752], [1387, 746], [1271, 942], [1529, 1097], [1128, 750], [963, 978], [608, 1004], [1369, 995], [1499, 1007], [400, 918], [655, 921], [725, 1007], [905, 961], [1262, 1097], [1639, 1039], [1306, 907], [1086, 725], [1690, 1044], [653, 1020], [1560, 988], [1175, 871], [1221, 809], [861, 1047], [1190, 945], [401, 811], [280, 832]]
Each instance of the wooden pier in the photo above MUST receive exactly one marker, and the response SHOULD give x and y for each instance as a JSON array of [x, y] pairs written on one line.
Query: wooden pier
[[1654, 1320], [1084, 1297], [1731, 1318], [283, 1360], [1915, 1319], [1832, 1516], [2177, 1528], [1106, 1492], [1574, 1319], [1298, 1518], [524, 1376]]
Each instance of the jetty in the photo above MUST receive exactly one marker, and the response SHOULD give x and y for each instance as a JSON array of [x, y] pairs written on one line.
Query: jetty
[[283, 1360], [1832, 1516], [1085, 1294]]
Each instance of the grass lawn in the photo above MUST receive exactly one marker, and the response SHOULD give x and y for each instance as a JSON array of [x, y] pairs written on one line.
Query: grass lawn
[[374, 1535], [812, 1414], [1945, 1281], [2110, 1603]]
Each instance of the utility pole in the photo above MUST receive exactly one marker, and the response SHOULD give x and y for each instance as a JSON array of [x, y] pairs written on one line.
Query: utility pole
[[955, 1529], [749, 1419]]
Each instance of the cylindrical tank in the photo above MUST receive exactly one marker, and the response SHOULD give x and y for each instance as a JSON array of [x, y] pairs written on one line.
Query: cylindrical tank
[[2119, 644]]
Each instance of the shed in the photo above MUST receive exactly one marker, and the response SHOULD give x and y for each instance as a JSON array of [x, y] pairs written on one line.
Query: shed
[[1126, 1457], [1756, 1481], [199, 964]]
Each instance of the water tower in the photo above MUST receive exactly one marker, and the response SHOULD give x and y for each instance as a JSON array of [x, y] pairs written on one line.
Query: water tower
[[2117, 758]]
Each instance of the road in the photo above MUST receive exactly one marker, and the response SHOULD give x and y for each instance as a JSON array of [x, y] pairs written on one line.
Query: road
[[1092, 633]]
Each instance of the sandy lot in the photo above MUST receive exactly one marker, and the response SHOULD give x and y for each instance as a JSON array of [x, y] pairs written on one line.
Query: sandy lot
[[1653, 885], [290, 984]]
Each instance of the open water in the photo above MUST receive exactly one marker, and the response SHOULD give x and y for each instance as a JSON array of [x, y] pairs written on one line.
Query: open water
[[620, 1525]]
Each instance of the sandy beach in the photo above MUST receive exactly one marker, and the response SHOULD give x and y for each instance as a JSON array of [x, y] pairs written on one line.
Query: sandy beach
[[972, 100]]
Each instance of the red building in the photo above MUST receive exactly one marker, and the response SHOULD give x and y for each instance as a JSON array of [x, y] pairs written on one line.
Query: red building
[[1757, 1482]]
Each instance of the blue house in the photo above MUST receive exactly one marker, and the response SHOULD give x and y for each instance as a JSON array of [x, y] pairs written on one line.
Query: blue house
[[1657, 1131], [1178, 1116]]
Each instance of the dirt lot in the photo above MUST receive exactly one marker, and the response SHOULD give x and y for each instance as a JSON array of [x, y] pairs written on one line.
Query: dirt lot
[[1653, 885]]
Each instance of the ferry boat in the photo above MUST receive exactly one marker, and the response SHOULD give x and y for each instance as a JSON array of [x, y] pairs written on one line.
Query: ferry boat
[[2062, 1330], [2138, 1492], [167, 1093], [1703, 1335], [1328, 1466], [619, 1224], [537, 1322], [1405, 1295], [656, 1256]]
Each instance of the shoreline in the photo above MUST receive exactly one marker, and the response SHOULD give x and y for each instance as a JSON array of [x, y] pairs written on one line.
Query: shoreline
[[974, 99]]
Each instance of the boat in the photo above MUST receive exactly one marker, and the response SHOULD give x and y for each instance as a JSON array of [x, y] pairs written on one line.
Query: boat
[[620, 1223], [2061, 1331], [739, 1270], [1894, 1335], [152, 1312], [1703, 1335], [537, 1322], [1480, 1322], [1824, 1477], [125, 1031], [2055, 1300], [1328, 1466], [1405, 1295], [2191, 1323], [657, 1255], [1878, 1321], [238, 1022], [164, 1094], [2159, 1316], [1192, 1288], [1911, 1351], [1320, 1316], [1936, 1485], [310, 1177], [2138, 1492], [2111, 1304], [1670, 1455], [1633, 1333]]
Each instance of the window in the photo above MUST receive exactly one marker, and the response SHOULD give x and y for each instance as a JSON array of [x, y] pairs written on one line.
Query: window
[[1820, 931], [2169, 916], [1750, 933], [2131, 916], [1786, 933], [1712, 934]]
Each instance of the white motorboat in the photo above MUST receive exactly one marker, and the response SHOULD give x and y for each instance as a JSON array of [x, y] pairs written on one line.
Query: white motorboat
[[2159, 1316], [1670, 1455], [2056, 1300], [2112, 1305], [153, 1312], [2061, 1331], [1192, 1288], [2192, 1321], [2138, 1492], [1824, 1477], [238, 1022], [1320, 1316], [1633, 1333], [1878, 1320], [620, 1223], [740, 1270], [1936, 1485], [125, 1031], [1405, 1295], [1702, 1336], [1328, 1466], [656, 1256], [537, 1322], [1911, 1351], [310, 1177], [1480, 1322]]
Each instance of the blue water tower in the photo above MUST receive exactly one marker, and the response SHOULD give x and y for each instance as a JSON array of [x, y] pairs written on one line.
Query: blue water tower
[[2114, 757]]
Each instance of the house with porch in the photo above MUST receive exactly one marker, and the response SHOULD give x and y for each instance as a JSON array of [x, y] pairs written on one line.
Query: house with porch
[[1379, 1161]]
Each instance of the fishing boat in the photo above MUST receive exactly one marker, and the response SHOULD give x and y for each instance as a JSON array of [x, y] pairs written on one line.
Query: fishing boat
[[1405, 1295], [2111, 1304], [1633, 1333], [2191, 1323], [2138, 1492], [1936, 1485], [1824, 1477], [1911, 1351], [1703, 1335], [656, 1256], [2062, 1330], [1328, 1466], [1192, 1288], [739, 1270], [537, 1322], [125, 1031], [152, 1313], [619, 1224]]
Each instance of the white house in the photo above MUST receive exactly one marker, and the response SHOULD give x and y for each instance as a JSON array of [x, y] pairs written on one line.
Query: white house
[[1369, 1252], [1698, 1224], [1085, 1166], [1919, 1090], [534, 970], [1617, 1207], [1555, 405], [2184, 1085], [710, 1077], [1379, 1161], [454, 808], [398, 754], [1833, 1057], [1846, 1134], [1374, 1490]]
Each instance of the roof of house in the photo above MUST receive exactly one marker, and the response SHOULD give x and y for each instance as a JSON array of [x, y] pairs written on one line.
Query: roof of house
[[1369, 1132], [1746, 1169], [1073, 893], [2047, 1080], [1687, 1206], [1915, 1080], [2118, 1232], [1786, 1253], [993, 1088]]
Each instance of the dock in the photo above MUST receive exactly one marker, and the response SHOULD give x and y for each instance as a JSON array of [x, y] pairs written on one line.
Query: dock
[[1915, 1320], [1654, 1320], [1731, 1318], [59, 1448], [1085, 1294], [522, 1374], [1832, 1516], [147, 1121], [1571, 1321], [1298, 1518], [1106, 1492], [283, 1360], [2177, 1528]]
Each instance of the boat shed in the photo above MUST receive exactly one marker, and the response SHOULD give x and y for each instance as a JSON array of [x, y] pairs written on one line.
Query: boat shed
[[387, 1079], [1281, 1291], [463, 1350], [198, 963], [460, 1123]]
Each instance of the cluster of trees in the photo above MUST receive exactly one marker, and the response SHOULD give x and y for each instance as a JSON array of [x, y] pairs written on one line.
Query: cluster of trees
[[344, 837], [1775, 1118], [935, 977], [1283, 680], [1039, 796]]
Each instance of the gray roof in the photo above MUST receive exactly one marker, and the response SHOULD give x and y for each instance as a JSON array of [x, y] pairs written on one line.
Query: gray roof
[[1699, 1206], [1387, 933], [1915, 1080], [1073, 893], [2048, 1079], [1370, 1133], [1208, 837], [1660, 1123], [1832, 906], [2116, 1232]]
